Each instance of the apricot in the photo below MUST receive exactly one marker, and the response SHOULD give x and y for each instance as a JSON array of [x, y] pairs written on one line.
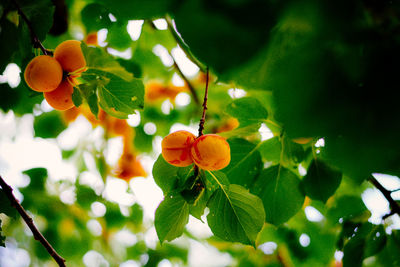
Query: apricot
[[128, 167], [176, 148], [229, 125], [61, 97], [302, 140], [43, 73], [70, 56], [91, 39], [157, 91], [211, 152]]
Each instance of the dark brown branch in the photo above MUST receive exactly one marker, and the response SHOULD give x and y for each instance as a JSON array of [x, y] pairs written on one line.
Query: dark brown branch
[[28, 220], [394, 206], [203, 117], [189, 84], [35, 40]]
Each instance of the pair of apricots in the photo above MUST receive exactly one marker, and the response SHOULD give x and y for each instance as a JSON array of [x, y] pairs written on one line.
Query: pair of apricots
[[55, 76], [210, 152]]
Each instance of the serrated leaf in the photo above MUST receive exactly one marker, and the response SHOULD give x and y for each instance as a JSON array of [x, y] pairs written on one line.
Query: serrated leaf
[[167, 176], [271, 149], [235, 215], [321, 181], [171, 217], [97, 59], [245, 162], [247, 109], [280, 191]]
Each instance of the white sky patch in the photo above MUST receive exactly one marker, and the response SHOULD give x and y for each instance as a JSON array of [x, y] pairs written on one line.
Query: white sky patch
[[164, 263], [147, 194], [134, 29], [161, 24], [113, 151], [11, 75], [166, 107], [202, 254], [151, 238], [179, 126], [236, 93], [94, 259], [177, 80], [390, 182], [198, 228], [163, 54], [112, 17], [102, 37], [94, 227], [126, 54], [304, 240], [188, 68], [312, 214], [98, 209], [45, 107], [320, 142], [126, 237], [265, 132], [268, 247], [376, 203], [182, 99], [302, 170], [68, 196], [71, 136], [150, 128], [116, 191], [134, 119], [338, 255]]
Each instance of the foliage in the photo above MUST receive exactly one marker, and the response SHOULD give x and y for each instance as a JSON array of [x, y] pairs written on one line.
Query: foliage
[[282, 70]]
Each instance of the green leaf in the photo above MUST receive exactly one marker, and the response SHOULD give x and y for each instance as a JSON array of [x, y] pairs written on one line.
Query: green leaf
[[171, 217], [280, 191], [245, 162], [321, 180], [235, 215], [347, 208], [38, 178], [6, 207], [271, 149], [40, 15], [95, 17], [8, 32], [2, 238], [167, 176], [49, 124], [293, 153], [247, 110], [136, 9], [118, 37], [367, 240]]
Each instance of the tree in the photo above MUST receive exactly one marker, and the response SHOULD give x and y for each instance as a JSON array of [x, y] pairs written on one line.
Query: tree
[[304, 92]]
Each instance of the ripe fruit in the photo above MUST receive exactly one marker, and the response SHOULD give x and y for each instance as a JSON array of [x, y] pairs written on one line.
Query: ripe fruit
[[176, 148], [61, 97], [211, 152], [43, 74], [157, 91], [128, 167], [91, 39], [70, 56]]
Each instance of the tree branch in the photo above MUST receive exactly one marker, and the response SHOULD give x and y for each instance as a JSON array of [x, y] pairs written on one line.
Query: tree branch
[[29, 221], [394, 206], [35, 40], [189, 84], [203, 117]]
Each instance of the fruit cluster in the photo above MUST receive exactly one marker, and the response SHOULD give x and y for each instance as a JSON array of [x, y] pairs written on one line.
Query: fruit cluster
[[210, 151], [56, 76]]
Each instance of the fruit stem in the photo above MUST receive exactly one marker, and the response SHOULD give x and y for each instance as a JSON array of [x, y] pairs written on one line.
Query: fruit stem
[[203, 117], [35, 40], [28, 220]]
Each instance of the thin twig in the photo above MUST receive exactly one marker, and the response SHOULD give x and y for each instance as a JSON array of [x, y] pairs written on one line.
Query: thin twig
[[189, 84], [203, 117], [29, 221], [35, 40], [394, 206]]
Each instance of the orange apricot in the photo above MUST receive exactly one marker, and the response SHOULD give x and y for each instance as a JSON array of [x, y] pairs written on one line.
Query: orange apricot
[[70, 56], [211, 152], [43, 73], [61, 97], [157, 91], [71, 114], [128, 167], [91, 39], [228, 125], [176, 148]]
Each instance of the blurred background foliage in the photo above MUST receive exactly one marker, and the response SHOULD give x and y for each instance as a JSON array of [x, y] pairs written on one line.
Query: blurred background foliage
[[305, 91]]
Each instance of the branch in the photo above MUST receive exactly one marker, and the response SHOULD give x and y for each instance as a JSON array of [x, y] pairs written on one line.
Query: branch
[[35, 40], [203, 117], [191, 88], [28, 220], [394, 206]]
